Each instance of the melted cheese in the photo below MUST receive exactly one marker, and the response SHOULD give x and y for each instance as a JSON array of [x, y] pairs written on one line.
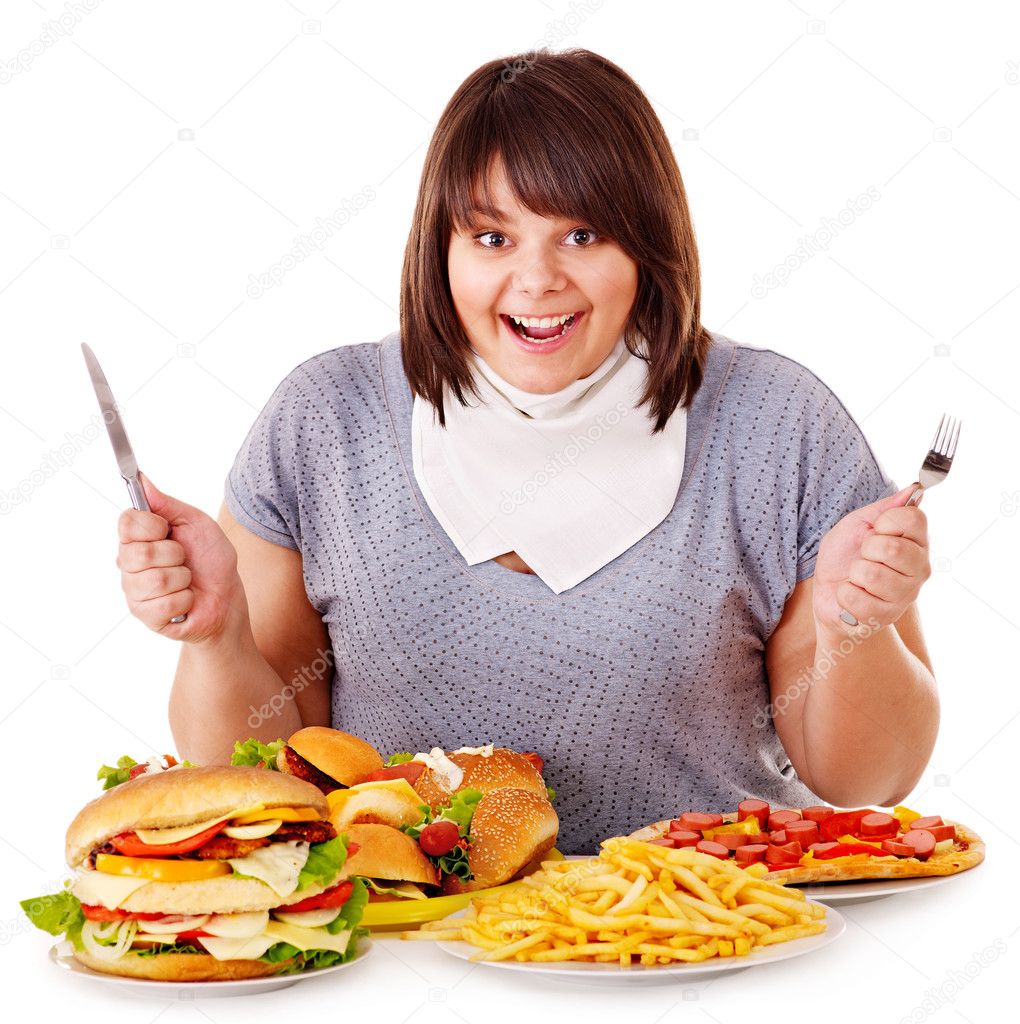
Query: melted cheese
[[278, 865], [250, 948], [157, 836], [401, 787], [485, 751], [437, 760], [308, 938], [100, 889]]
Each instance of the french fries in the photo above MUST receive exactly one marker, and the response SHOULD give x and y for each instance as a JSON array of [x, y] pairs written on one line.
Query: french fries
[[636, 903]]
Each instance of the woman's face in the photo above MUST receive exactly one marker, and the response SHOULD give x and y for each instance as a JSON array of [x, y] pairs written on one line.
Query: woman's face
[[520, 264]]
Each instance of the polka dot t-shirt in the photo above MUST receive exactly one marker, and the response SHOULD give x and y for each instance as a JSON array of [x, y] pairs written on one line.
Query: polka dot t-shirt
[[644, 686]]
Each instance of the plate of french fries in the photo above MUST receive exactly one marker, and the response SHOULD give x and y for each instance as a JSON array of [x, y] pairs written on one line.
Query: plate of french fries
[[637, 912]]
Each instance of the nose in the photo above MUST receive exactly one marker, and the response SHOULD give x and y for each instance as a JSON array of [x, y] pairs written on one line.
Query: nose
[[538, 274]]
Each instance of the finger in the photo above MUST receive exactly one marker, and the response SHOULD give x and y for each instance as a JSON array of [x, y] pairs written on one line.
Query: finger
[[899, 553], [153, 583], [863, 606], [881, 582], [148, 554], [876, 508], [904, 522], [174, 510], [134, 524], [157, 613]]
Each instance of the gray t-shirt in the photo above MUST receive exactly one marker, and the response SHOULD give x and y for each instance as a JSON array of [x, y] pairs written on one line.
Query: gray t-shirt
[[644, 686]]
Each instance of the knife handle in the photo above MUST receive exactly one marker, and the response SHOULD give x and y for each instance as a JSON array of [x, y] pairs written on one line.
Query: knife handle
[[139, 501]]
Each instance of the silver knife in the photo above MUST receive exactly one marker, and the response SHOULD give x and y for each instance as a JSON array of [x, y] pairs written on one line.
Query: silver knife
[[126, 462]]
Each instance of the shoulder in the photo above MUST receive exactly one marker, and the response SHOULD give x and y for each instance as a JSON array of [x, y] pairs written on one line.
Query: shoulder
[[776, 388]]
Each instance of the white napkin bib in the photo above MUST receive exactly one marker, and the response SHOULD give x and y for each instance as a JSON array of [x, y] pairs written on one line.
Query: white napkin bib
[[568, 480]]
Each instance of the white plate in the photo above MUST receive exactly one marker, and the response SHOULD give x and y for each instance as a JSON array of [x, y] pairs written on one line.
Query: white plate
[[199, 989], [614, 974], [862, 890]]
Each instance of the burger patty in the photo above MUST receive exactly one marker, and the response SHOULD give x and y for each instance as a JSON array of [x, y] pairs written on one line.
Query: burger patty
[[309, 831], [297, 765], [223, 847]]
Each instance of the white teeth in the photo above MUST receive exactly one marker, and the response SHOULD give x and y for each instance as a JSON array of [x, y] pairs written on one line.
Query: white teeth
[[544, 321]]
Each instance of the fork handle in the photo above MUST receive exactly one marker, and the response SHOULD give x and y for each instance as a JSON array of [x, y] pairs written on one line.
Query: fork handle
[[916, 496]]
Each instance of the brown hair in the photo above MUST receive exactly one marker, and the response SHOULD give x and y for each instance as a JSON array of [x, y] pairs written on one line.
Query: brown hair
[[577, 138]]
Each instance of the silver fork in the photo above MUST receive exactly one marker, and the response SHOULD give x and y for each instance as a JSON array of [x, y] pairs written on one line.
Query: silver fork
[[934, 470], [939, 459]]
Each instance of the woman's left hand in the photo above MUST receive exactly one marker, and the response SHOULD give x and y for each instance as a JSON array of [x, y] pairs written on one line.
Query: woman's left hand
[[872, 563]]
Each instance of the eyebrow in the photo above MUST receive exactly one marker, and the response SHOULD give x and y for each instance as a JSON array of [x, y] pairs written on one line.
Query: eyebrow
[[476, 213]]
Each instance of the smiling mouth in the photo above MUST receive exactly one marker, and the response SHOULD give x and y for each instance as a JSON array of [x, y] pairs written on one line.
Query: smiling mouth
[[530, 331]]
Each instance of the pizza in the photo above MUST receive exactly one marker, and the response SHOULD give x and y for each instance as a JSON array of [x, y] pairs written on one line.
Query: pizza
[[822, 844]]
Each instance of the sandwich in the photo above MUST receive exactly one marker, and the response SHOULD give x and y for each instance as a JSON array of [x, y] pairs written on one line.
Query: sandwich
[[205, 874], [327, 758], [481, 816]]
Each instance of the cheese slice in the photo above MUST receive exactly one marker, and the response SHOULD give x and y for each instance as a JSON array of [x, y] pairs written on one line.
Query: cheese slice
[[250, 948], [308, 938], [278, 865], [401, 787], [158, 836], [408, 890], [100, 889]]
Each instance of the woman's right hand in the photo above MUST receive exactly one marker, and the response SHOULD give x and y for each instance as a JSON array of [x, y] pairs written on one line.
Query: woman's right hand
[[194, 571]]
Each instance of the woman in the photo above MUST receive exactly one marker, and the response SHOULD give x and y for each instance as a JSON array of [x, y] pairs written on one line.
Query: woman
[[555, 512]]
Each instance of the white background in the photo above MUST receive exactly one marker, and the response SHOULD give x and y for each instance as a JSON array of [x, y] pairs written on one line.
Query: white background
[[157, 155]]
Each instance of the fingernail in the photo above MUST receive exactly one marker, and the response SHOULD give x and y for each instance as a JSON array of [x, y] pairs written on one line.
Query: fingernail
[[849, 619]]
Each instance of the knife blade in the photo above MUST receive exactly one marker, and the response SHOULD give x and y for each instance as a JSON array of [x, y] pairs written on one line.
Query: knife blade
[[127, 464]]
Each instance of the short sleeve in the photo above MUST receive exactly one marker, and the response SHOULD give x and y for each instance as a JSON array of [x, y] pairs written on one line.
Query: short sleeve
[[838, 471], [262, 489]]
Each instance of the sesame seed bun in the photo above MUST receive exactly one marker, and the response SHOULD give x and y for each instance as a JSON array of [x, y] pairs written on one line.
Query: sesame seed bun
[[182, 796], [510, 829], [340, 755], [502, 769]]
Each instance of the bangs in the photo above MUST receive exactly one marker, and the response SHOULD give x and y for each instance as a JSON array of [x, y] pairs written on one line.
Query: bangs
[[550, 153]]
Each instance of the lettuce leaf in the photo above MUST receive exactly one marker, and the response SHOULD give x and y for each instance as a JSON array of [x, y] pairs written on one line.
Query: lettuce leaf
[[324, 863], [258, 755], [351, 911], [401, 758], [111, 777], [57, 914]]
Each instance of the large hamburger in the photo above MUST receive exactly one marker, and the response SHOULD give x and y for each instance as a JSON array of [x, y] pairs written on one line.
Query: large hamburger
[[203, 874]]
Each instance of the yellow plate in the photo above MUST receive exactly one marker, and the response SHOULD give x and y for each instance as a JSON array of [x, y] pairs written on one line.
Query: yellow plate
[[403, 913]]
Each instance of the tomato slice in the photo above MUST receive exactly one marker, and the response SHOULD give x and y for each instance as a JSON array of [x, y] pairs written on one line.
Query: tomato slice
[[409, 770], [130, 845], [95, 912], [842, 823], [335, 897], [536, 760]]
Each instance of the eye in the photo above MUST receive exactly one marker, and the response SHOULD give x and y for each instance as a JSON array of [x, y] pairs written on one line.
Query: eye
[[588, 237], [491, 234]]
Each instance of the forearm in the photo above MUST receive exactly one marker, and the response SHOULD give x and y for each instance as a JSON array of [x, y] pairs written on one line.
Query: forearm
[[870, 718], [219, 686]]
